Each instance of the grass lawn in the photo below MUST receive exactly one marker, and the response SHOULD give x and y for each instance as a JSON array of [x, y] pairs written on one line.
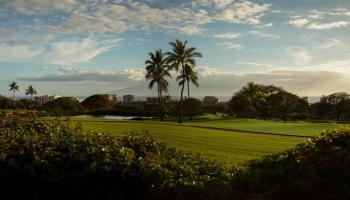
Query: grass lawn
[[290, 128], [229, 146]]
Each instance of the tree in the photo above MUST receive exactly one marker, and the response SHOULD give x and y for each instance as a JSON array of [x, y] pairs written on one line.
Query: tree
[[289, 105], [181, 56], [31, 91], [340, 103], [191, 76], [188, 76], [269, 101], [14, 88], [157, 72], [98, 103], [64, 106]]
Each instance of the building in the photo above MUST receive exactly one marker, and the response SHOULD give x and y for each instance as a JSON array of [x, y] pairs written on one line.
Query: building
[[128, 98], [45, 98], [208, 100]]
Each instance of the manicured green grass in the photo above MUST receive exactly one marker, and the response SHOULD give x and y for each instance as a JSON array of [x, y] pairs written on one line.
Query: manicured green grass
[[290, 128], [229, 146]]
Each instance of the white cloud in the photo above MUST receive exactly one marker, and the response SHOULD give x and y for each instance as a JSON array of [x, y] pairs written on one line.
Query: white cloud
[[31, 7], [207, 71], [17, 53], [71, 52], [265, 66], [60, 53], [299, 23], [231, 46], [308, 21], [216, 3], [243, 12], [191, 30], [231, 35], [331, 43], [262, 34], [70, 74], [265, 25], [301, 55], [326, 26]]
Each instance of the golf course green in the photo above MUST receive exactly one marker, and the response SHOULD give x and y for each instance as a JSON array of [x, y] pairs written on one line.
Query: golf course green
[[235, 141]]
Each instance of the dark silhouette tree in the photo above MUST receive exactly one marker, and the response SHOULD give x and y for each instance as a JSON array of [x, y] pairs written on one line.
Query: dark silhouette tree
[[189, 76], [13, 88], [31, 91], [157, 72]]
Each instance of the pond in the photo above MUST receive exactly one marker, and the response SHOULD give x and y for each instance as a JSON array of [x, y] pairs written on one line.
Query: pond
[[115, 117]]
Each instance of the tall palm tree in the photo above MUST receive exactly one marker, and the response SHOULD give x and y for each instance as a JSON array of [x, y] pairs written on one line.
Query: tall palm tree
[[157, 72], [181, 56], [14, 87], [31, 91], [189, 76]]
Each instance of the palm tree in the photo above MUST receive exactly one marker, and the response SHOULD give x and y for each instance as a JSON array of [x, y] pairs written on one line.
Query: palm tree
[[14, 87], [180, 57], [191, 76], [157, 71], [31, 91]]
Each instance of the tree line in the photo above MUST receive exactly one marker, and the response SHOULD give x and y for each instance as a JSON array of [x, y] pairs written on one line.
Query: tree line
[[272, 102]]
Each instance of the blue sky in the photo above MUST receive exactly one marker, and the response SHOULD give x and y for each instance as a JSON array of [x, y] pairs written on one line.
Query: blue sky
[[82, 47]]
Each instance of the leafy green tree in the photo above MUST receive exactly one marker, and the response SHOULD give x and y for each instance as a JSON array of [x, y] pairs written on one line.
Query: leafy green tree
[[181, 56], [157, 72], [340, 103], [31, 91], [98, 103]]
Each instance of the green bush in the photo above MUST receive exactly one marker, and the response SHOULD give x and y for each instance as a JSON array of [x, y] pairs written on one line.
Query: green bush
[[64, 106], [319, 169], [55, 160]]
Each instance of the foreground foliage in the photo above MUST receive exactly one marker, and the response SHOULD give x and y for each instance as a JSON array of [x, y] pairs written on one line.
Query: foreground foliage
[[55, 160], [319, 169]]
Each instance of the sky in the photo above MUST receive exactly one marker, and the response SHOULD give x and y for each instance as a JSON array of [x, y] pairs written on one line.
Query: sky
[[84, 47]]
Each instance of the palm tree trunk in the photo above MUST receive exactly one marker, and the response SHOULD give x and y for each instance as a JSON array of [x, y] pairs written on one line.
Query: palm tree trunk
[[182, 92], [188, 89], [14, 101], [160, 104], [188, 97], [181, 100]]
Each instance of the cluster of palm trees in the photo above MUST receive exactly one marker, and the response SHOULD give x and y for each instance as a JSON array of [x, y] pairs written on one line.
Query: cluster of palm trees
[[182, 60], [15, 88]]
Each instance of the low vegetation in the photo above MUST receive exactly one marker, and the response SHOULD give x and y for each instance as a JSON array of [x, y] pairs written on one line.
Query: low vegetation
[[55, 160]]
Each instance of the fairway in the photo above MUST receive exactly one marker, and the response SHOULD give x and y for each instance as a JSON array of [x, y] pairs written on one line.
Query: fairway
[[228, 146], [278, 127]]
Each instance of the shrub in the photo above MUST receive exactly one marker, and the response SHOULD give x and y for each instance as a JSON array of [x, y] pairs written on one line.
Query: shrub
[[64, 106], [319, 169], [55, 160]]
